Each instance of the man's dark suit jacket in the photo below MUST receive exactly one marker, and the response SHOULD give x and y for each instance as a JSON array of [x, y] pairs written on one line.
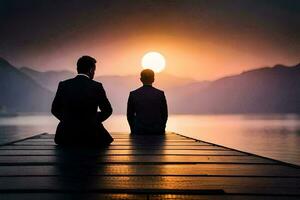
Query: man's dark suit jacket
[[147, 111], [75, 105]]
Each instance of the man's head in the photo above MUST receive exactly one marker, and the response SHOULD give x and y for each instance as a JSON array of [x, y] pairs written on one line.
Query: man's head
[[147, 77], [86, 65]]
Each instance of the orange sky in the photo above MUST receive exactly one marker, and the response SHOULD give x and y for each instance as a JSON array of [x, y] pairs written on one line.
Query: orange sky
[[203, 59], [204, 40]]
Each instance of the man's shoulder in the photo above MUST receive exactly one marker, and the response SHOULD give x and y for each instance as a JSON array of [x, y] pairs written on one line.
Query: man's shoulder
[[143, 89], [79, 79], [72, 82], [136, 90], [66, 82], [158, 90], [96, 83]]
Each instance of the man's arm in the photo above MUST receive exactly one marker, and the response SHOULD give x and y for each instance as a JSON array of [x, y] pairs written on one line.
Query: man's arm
[[164, 109], [130, 113], [56, 108], [104, 105]]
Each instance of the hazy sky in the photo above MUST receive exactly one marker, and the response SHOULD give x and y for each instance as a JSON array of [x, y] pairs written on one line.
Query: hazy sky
[[200, 39]]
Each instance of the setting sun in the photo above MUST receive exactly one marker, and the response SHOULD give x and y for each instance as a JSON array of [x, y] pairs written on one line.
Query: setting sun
[[154, 60]]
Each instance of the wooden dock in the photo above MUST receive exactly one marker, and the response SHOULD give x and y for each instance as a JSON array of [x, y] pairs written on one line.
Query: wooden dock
[[141, 167]]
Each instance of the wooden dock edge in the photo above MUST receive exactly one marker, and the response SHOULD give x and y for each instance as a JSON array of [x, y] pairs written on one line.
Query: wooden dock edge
[[23, 138], [250, 154]]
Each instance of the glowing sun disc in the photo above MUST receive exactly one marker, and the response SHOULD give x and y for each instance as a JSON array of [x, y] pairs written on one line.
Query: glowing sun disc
[[154, 60]]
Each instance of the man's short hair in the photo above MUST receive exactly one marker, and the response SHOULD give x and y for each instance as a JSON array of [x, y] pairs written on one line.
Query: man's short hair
[[147, 76], [85, 64]]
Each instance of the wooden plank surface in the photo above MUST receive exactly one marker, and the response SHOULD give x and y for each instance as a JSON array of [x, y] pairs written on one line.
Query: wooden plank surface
[[117, 152], [130, 159], [155, 170], [51, 147], [6, 138], [142, 167], [154, 184], [131, 140], [101, 196], [127, 143], [127, 136]]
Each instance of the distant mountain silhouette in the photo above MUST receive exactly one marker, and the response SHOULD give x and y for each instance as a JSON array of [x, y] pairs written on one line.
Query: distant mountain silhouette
[[264, 90], [117, 87], [19, 93], [48, 79]]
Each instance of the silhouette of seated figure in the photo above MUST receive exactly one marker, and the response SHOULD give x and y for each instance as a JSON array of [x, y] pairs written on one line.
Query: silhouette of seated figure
[[147, 111], [76, 106]]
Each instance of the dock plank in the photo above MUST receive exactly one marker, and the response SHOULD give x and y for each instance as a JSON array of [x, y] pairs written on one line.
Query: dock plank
[[154, 184], [142, 143], [116, 147], [118, 152], [142, 167], [126, 140], [157, 159], [125, 196], [128, 136], [153, 170]]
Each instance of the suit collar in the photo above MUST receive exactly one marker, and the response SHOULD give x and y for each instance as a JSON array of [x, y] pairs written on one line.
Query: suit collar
[[83, 75]]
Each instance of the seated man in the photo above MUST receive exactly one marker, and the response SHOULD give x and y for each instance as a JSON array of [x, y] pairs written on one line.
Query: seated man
[[147, 111], [75, 105]]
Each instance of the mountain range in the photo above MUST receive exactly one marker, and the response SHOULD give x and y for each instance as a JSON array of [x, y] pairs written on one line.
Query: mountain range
[[20, 93], [263, 90], [117, 87]]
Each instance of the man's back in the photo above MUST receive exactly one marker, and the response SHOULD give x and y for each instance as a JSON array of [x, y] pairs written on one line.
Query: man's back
[[147, 111], [75, 105]]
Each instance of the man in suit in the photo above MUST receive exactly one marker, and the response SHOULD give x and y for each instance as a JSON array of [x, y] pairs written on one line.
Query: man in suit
[[147, 110], [76, 106]]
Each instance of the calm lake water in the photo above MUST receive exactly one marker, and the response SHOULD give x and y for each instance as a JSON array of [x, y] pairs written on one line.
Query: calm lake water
[[275, 136]]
